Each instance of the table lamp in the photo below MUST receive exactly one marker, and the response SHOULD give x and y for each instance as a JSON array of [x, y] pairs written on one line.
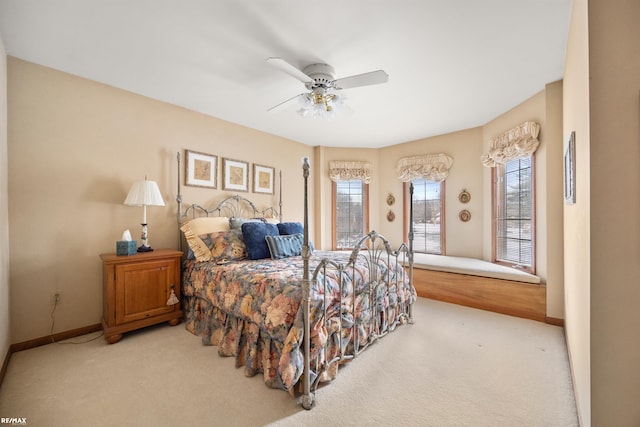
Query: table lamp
[[144, 193]]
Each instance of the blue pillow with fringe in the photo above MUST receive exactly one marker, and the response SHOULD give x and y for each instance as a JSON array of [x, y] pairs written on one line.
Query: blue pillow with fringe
[[293, 228], [284, 246]]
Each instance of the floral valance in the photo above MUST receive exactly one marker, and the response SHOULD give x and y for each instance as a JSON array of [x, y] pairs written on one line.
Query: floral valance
[[343, 170], [521, 141], [433, 167]]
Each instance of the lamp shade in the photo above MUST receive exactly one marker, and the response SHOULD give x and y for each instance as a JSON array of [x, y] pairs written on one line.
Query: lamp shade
[[144, 193]]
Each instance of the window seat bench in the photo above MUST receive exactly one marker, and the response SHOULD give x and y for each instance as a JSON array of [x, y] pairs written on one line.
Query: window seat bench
[[480, 284]]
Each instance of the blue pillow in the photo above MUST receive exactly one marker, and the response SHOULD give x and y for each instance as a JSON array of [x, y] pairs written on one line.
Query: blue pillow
[[285, 246], [254, 234], [290, 228]]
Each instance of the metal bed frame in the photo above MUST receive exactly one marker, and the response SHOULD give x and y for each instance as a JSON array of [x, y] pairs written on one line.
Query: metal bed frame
[[371, 248]]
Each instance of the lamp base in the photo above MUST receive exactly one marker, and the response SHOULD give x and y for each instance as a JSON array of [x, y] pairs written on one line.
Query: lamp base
[[145, 249]]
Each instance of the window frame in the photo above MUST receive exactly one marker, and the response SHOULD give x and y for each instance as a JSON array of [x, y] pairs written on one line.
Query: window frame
[[494, 218], [365, 211], [443, 209]]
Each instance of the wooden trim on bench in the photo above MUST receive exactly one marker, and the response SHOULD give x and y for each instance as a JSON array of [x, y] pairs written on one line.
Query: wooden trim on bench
[[518, 299], [554, 321]]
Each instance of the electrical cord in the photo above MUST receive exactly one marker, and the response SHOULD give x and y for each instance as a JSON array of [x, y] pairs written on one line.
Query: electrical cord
[[53, 322]]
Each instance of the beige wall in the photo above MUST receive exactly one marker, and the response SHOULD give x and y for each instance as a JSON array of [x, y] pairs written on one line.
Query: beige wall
[[76, 147], [614, 173], [602, 272], [577, 247], [550, 223], [5, 331]]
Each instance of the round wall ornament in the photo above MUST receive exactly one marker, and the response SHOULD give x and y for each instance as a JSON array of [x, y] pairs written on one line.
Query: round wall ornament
[[391, 199], [464, 196], [391, 216], [464, 215]]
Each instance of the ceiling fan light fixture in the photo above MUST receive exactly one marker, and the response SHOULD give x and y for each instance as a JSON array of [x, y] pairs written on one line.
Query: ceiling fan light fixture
[[321, 102], [320, 105]]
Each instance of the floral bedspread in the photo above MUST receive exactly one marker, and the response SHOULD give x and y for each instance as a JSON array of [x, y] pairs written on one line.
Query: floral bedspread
[[252, 309]]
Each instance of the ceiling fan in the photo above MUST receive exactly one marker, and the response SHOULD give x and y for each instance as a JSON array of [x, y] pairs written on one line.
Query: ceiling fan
[[321, 99]]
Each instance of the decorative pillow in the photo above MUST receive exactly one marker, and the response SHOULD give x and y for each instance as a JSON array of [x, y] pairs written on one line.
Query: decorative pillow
[[199, 226], [236, 223], [206, 224], [285, 245], [290, 228], [254, 234], [225, 246], [293, 228]]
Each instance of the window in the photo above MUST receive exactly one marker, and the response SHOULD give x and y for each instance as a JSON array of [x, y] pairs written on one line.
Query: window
[[428, 216], [514, 213], [350, 213]]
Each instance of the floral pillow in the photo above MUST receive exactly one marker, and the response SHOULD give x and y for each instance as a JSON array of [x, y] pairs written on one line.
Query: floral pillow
[[198, 226], [222, 247]]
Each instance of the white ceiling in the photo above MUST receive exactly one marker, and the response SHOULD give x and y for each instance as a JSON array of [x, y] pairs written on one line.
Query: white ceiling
[[452, 64]]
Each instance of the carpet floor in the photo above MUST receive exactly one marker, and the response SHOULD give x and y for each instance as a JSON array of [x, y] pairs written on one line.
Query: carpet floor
[[455, 366]]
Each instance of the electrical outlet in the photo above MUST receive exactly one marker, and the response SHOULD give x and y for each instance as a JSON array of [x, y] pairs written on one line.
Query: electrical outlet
[[57, 297]]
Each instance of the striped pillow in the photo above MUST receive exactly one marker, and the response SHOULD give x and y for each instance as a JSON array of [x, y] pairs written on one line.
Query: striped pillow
[[284, 246]]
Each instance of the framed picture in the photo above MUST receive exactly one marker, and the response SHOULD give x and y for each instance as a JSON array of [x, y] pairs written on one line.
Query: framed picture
[[201, 169], [235, 175], [263, 177], [570, 171]]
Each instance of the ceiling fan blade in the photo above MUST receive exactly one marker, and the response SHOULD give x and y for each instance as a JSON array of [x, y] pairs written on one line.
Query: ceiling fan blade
[[280, 105], [366, 79], [283, 65]]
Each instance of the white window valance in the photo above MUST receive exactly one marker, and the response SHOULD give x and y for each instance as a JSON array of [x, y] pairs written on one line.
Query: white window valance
[[521, 141], [433, 167], [343, 170]]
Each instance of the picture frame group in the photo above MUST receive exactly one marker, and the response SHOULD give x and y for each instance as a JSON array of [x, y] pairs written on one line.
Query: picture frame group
[[201, 170]]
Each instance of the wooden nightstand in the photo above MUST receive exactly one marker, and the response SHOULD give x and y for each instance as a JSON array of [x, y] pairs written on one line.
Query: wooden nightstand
[[136, 290]]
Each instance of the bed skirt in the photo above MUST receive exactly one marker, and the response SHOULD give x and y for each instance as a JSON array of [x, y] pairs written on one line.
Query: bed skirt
[[253, 349]]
